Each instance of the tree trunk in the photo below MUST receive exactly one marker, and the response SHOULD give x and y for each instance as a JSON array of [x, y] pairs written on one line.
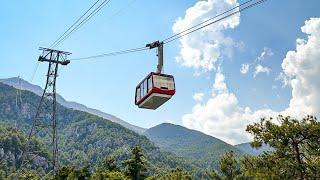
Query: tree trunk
[[299, 161]]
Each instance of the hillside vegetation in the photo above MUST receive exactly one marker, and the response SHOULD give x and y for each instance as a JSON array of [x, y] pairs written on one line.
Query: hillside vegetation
[[86, 139], [25, 85], [201, 149], [95, 148]]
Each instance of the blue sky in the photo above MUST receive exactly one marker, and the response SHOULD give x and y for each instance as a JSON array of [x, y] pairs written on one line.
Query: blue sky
[[108, 84]]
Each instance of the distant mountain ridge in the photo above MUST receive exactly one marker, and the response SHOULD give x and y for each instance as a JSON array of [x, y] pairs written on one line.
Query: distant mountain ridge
[[202, 149], [25, 85]]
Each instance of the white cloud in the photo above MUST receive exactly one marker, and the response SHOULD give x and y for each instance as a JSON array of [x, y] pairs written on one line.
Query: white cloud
[[222, 116], [219, 85], [198, 97], [302, 69], [267, 52], [244, 68], [284, 79], [261, 69], [240, 46], [202, 50]]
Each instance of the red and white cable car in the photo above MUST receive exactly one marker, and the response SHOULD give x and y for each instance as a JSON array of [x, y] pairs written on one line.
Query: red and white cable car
[[157, 88], [154, 90]]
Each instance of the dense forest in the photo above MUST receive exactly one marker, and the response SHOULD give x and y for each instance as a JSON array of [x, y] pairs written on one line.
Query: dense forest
[[186, 143], [94, 148], [84, 139], [295, 155]]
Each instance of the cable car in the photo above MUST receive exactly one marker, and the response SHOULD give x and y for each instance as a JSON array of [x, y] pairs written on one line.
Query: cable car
[[157, 88], [154, 90]]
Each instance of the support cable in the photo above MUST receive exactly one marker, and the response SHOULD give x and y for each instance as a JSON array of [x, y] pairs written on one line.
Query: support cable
[[129, 3], [210, 19], [78, 20], [112, 53], [34, 71], [188, 31], [181, 34], [71, 30]]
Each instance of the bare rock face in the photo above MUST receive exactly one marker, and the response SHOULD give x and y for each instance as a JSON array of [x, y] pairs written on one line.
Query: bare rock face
[[11, 158], [102, 143], [39, 161], [82, 130], [1, 153], [7, 156], [92, 127]]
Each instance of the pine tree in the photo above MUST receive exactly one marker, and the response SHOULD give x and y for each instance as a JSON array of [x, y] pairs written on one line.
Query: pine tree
[[175, 174], [229, 168], [109, 164], [136, 166], [295, 144]]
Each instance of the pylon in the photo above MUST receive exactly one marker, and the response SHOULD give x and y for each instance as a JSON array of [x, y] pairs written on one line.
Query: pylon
[[44, 125]]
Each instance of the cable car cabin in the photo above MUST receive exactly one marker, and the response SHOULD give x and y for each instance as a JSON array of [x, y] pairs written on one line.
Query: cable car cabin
[[154, 90]]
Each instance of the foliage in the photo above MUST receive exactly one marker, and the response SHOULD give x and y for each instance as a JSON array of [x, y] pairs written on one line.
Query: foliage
[[109, 164], [186, 142], [73, 173], [109, 175], [12, 145], [296, 145], [94, 148], [295, 151], [84, 139], [229, 168], [175, 174], [136, 165]]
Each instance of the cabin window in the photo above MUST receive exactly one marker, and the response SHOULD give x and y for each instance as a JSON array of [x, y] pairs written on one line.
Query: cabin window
[[145, 85], [149, 83], [141, 90], [138, 94], [171, 84]]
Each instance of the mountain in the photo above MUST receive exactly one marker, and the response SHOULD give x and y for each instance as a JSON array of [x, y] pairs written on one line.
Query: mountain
[[246, 147], [84, 139], [200, 148], [25, 85]]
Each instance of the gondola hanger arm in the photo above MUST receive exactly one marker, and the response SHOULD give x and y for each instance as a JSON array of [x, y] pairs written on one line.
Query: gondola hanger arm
[[159, 46]]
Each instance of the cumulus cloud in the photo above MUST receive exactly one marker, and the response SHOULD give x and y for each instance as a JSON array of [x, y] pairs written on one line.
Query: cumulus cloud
[[198, 97], [244, 68], [219, 85], [266, 53], [222, 116], [202, 50], [301, 68], [285, 80], [261, 69]]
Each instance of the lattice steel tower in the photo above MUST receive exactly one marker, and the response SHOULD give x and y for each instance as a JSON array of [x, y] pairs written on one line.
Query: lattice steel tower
[[45, 122]]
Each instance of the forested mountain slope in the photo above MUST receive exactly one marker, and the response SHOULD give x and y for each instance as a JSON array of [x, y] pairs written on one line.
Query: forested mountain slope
[[85, 138], [202, 149], [25, 85]]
